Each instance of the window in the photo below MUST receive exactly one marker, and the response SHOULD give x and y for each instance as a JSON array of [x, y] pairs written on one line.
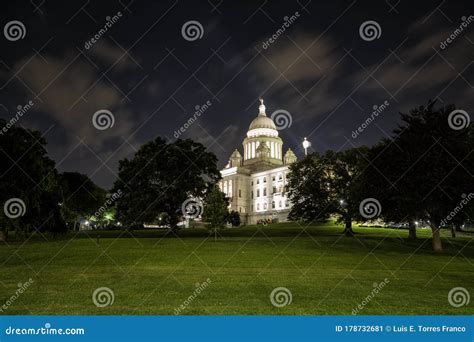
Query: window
[[280, 176], [258, 206], [273, 204], [240, 209], [264, 206], [251, 194], [279, 204], [274, 189], [273, 178], [287, 204], [265, 192], [258, 192], [264, 179], [258, 181], [240, 193], [251, 183]]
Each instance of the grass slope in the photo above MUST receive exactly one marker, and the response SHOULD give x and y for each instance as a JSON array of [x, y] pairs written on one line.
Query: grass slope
[[154, 272]]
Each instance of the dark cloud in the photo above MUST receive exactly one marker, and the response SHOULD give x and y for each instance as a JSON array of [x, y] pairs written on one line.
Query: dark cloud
[[151, 79]]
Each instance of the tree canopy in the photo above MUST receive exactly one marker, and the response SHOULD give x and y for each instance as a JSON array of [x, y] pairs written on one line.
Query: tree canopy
[[423, 171], [215, 209], [308, 189], [80, 196], [160, 177], [321, 186], [28, 183]]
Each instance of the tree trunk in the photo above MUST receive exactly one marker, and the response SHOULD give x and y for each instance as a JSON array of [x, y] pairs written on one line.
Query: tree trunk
[[453, 231], [348, 227], [437, 245], [412, 230], [173, 222], [3, 235]]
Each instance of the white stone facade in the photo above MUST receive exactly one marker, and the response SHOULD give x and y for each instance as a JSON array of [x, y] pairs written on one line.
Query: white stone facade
[[256, 182]]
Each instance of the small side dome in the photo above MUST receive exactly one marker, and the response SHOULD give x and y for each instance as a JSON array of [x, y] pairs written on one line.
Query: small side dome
[[235, 159], [290, 157], [235, 154]]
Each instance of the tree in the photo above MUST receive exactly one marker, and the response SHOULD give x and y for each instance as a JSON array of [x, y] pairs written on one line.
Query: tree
[[385, 158], [320, 186], [80, 196], [309, 189], [215, 211], [345, 169], [424, 169], [234, 218], [161, 177], [28, 183]]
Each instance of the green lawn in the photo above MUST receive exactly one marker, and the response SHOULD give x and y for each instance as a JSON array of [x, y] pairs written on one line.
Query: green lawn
[[154, 272]]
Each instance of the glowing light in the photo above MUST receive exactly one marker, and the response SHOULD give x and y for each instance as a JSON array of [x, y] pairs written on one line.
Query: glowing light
[[306, 145]]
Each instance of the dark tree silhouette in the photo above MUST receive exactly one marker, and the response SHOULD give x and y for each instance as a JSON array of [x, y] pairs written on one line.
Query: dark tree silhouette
[[308, 189], [423, 171], [234, 218], [80, 196], [159, 179], [344, 169], [29, 175], [320, 186], [215, 209]]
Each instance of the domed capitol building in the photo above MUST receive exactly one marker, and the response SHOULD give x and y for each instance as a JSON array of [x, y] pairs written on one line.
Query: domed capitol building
[[255, 183]]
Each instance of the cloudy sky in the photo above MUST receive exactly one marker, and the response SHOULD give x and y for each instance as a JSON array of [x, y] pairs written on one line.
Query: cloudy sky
[[152, 64]]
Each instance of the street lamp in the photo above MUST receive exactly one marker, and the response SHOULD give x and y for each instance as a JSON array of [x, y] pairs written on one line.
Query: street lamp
[[306, 144]]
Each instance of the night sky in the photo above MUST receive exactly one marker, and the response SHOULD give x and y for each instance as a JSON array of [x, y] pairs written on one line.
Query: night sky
[[144, 71]]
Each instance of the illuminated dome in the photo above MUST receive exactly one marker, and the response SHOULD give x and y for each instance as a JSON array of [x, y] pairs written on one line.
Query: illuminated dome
[[262, 125], [262, 146]]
